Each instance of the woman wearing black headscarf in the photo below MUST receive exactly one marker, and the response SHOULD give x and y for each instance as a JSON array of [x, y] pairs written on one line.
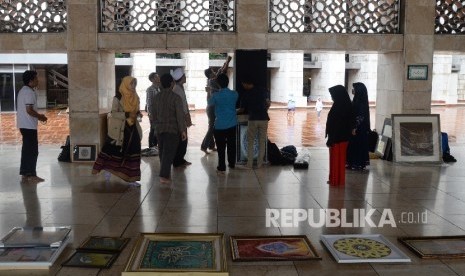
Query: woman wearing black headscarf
[[339, 127], [357, 152]]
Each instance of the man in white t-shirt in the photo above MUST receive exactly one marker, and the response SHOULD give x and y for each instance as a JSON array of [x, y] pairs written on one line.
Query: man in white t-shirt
[[27, 118]]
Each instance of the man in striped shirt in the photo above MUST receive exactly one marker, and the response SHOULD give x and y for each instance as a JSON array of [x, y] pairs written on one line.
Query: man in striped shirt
[[170, 125]]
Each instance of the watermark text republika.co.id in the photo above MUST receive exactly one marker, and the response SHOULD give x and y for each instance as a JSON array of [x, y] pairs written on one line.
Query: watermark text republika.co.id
[[342, 218]]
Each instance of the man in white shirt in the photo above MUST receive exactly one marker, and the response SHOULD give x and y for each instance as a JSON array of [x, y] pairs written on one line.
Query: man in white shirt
[[27, 118]]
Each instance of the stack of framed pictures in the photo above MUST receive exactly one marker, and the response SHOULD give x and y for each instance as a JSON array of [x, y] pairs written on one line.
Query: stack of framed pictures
[[97, 252], [32, 247], [178, 254], [384, 146]]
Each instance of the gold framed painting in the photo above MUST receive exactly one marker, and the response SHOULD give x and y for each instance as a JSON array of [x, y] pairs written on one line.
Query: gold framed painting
[[272, 248], [177, 254], [436, 247]]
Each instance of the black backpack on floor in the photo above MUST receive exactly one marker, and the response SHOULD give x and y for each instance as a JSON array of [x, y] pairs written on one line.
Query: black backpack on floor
[[65, 154]]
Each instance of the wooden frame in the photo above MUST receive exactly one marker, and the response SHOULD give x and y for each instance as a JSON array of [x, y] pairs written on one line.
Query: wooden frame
[[272, 248], [91, 259], [417, 72], [416, 138], [168, 253], [436, 247], [84, 153], [368, 248], [108, 244]]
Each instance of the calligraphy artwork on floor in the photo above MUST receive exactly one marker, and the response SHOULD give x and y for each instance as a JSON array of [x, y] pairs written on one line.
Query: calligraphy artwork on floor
[[272, 248]]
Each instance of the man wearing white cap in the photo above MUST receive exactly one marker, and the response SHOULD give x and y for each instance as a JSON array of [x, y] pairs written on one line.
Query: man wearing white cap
[[180, 78]]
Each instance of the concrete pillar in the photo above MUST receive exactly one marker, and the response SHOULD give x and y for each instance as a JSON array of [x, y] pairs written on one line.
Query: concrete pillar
[[142, 65], [396, 93], [286, 82], [196, 63], [42, 89], [366, 74], [441, 74], [332, 73], [91, 75]]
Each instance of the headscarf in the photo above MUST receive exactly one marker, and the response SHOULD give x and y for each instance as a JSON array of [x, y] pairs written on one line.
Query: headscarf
[[340, 117], [340, 98], [129, 97], [360, 104]]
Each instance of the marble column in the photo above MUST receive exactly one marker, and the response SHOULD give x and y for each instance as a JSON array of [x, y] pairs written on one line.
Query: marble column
[[332, 73], [286, 81], [196, 63], [396, 93], [91, 75], [142, 65]]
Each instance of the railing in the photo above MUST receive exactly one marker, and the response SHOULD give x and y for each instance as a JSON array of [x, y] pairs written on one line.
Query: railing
[[167, 15], [57, 88], [334, 16], [38, 16]]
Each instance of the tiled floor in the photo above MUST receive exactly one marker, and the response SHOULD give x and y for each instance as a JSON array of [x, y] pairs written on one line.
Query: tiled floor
[[201, 201]]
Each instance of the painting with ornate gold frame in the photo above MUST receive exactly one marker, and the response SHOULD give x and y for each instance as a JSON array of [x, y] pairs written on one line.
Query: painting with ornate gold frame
[[272, 248], [161, 253]]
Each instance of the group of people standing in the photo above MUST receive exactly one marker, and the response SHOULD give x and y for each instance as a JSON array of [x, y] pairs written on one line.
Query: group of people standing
[[169, 118], [347, 129], [347, 126]]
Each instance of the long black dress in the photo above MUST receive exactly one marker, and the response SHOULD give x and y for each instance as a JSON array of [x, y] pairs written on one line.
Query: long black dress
[[357, 152]]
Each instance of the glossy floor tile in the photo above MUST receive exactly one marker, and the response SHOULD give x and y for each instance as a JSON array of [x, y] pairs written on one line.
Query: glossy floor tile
[[200, 201]]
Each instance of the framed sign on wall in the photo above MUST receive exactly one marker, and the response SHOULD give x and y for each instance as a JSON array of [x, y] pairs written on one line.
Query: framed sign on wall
[[417, 72]]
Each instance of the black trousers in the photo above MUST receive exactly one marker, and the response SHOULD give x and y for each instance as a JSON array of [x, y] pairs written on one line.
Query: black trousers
[[153, 141], [226, 138], [208, 141], [29, 152], [180, 153], [167, 146]]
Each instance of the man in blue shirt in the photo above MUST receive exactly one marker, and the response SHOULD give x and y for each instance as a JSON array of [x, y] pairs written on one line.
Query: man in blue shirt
[[224, 102]]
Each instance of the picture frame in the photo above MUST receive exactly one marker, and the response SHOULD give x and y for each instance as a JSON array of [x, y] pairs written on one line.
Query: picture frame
[[172, 253], [272, 248], [91, 259], [35, 237], [29, 257], [242, 145], [383, 148], [436, 247], [107, 244], [84, 153], [369, 248], [416, 138], [417, 72]]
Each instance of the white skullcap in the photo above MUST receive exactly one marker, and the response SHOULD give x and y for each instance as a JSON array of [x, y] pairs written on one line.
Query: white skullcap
[[177, 74]]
